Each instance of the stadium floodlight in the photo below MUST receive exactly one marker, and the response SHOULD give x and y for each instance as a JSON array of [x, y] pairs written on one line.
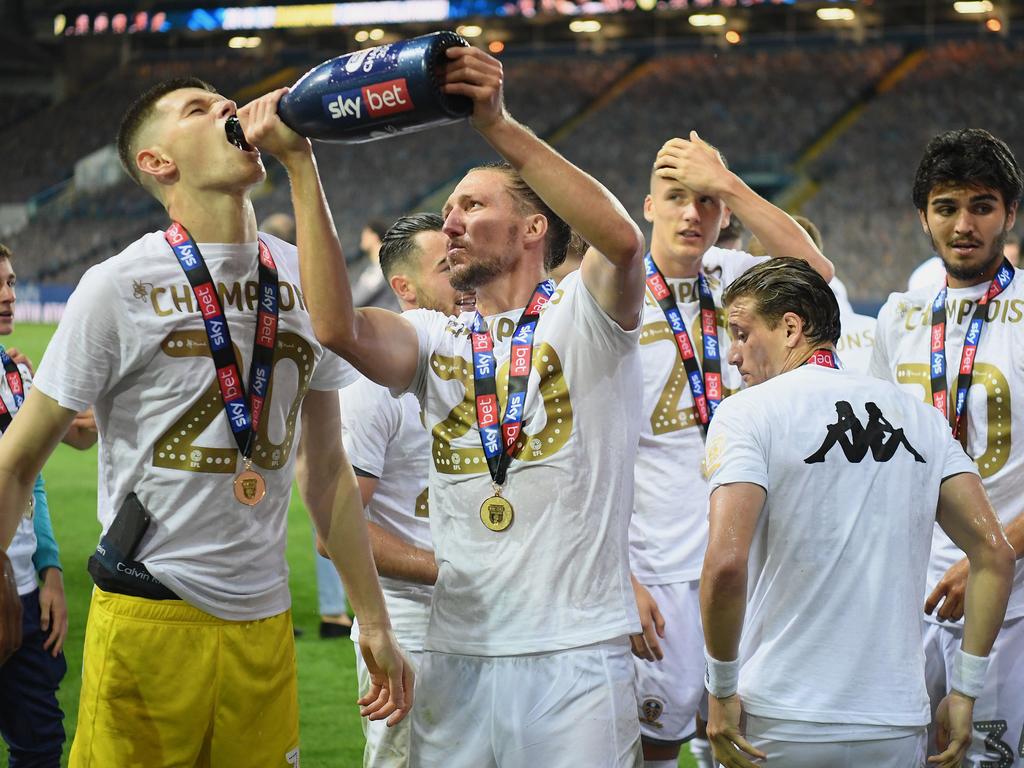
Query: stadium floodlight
[[707, 20], [362, 35], [470, 30], [647, 5], [376, 33], [972, 6], [244, 42], [836, 14], [585, 25]]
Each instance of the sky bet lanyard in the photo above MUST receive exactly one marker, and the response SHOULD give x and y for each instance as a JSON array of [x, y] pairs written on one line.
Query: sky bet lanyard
[[17, 387], [826, 358], [499, 442], [971, 339], [706, 389], [244, 407]]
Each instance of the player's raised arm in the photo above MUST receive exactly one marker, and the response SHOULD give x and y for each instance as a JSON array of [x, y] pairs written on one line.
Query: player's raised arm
[[614, 274], [695, 164], [381, 344], [328, 486]]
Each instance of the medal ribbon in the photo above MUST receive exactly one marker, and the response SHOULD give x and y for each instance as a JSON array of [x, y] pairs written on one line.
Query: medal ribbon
[[17, 387], [826, 358], [499, 442], [970, 350], [244, 407], [706, 388]]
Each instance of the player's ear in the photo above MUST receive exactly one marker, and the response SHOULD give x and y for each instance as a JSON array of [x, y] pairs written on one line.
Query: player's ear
[[924, 222], [648, 208], [403, 288], [794, 325]]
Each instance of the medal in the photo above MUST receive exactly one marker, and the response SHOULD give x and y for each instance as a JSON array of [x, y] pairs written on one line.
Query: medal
[[496, 514], [250, 487], [501, 441], [243, 405]]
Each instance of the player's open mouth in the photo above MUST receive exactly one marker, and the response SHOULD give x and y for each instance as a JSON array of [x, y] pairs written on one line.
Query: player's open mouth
[[690, 234], [233, 129]]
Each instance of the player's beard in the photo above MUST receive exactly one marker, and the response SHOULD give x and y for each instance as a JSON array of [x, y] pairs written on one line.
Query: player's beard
[[969, 272], [482, 269]]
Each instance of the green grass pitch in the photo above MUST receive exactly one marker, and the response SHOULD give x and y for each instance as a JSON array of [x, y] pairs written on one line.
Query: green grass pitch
[[330, 732]]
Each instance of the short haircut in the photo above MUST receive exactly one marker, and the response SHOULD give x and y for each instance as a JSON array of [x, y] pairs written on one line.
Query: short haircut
[[399, 240], [968, 157], [5, 253], [784, 285], [139, 113], [528, 202]]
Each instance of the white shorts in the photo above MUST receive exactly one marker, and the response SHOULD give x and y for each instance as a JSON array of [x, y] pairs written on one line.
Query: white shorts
[[385, 747], [999, 710], [904, 752], [670, 690], [551, 710]]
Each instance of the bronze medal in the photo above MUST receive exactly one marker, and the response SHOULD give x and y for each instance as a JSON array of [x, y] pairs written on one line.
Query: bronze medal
[[250, 488], [496, 513]]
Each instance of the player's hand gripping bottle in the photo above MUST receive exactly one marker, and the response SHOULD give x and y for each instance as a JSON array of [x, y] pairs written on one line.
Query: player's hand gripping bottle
[[373, 93]]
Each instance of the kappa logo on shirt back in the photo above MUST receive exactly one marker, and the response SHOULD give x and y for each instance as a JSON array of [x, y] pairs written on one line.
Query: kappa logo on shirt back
[[855, 439]]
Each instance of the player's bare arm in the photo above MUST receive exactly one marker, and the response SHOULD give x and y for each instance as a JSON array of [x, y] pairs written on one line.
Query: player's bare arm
[[380, 344], [27, 444], [695, 164], [948, 595], [967, 517], [733, 516], [329, 489], [614, 271]]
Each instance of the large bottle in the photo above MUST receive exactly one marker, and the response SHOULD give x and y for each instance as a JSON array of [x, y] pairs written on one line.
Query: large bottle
[[377, 92]]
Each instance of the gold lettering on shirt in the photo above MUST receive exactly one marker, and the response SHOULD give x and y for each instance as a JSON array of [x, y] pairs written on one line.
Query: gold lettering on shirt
[[178, 297], [998, 311]]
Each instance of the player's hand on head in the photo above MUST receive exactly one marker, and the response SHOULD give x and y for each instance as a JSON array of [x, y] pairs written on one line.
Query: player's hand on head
[[730, 747], [391, 677], [954, 721], [694, 164], [950, 593], [645, 645], [10, 609], [265, 130], [477, 75], [20, 358]]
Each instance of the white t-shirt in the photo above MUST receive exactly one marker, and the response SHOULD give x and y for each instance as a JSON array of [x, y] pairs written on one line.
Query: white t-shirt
[[132, 343], [838, 560], [856, 341], [385, 437], [669, 529], [928, 276], [559, 576], [995, 423], [23, 545]]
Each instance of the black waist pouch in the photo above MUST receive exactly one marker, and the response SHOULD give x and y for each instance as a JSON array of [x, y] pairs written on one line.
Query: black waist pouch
[[112, 566]]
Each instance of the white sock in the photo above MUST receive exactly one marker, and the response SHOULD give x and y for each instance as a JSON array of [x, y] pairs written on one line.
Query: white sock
[[701, 751], [661, 763]]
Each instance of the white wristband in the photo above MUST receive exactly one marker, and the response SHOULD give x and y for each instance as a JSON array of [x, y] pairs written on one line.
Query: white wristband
[[968, 675], [721, 678]]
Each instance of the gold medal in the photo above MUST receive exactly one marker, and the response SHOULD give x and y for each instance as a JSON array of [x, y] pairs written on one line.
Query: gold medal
[[250, 487], [496, 513]]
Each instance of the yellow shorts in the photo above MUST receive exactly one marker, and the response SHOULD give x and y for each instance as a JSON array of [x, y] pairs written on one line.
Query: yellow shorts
[[165, 685]]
